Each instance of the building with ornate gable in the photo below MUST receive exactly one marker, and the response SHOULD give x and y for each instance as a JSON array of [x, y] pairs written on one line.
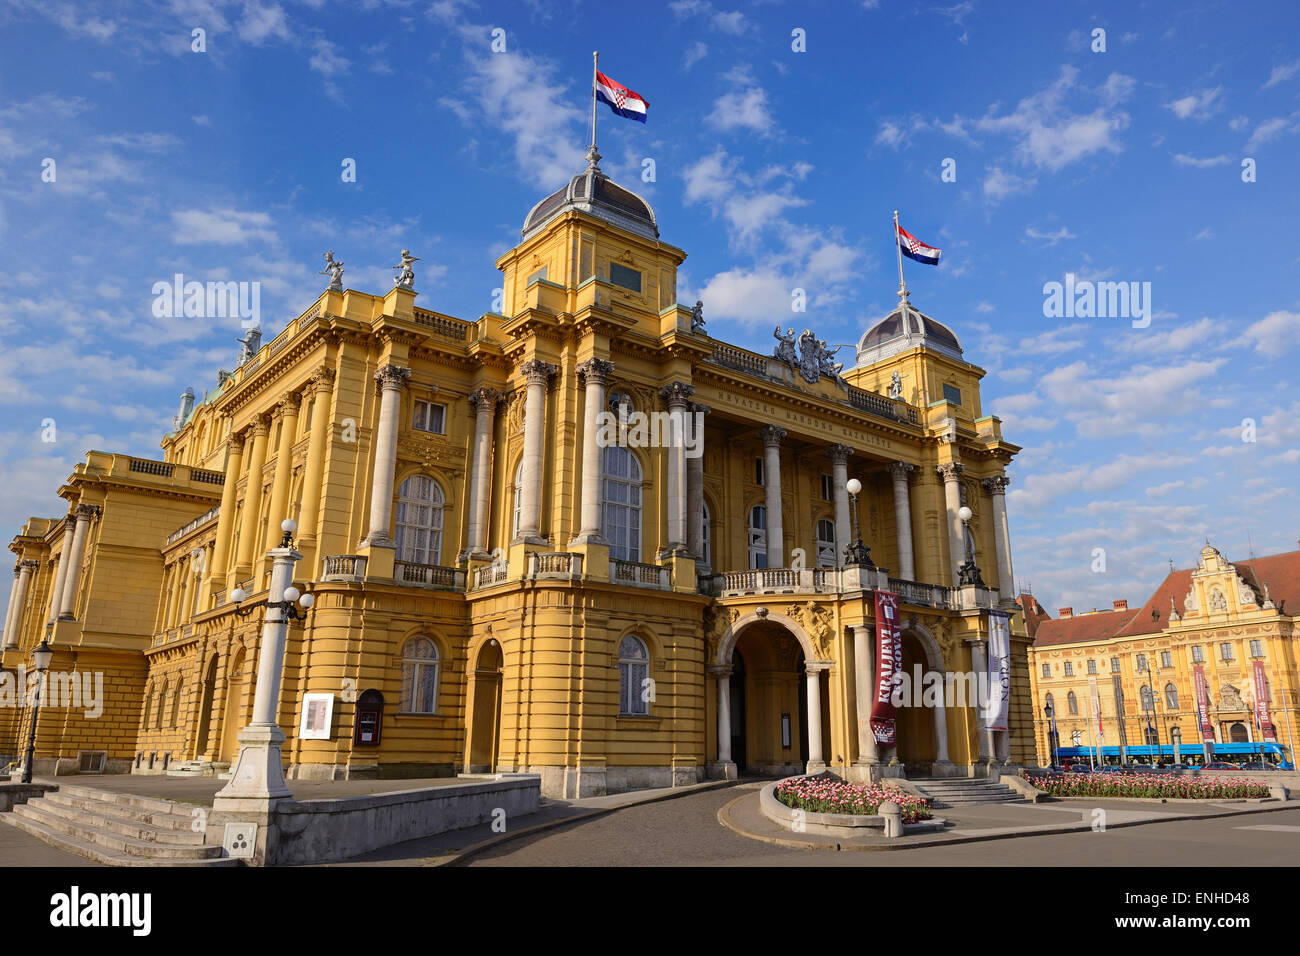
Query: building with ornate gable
[[1219, 618], [495, 588]]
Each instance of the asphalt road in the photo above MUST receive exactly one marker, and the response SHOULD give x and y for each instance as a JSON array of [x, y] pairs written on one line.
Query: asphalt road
[[685, 832]]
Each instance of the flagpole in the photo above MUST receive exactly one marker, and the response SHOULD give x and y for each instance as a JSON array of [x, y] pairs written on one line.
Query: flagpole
[[595, 56], [902, 284]]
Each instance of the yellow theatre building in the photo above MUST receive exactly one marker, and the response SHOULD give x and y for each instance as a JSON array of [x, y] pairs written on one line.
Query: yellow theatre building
[[498, 589]]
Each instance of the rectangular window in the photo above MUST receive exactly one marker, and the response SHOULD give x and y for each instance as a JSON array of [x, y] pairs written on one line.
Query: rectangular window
[[1166, 659], [1069, 669], [429, 417], [1114, 665], [1047, 670], [1198, 654], [1256, 648], [951, 393], [1225, 651], [758, 471], [1142, 663], [623, 276], [1092, 667], [828, 488]]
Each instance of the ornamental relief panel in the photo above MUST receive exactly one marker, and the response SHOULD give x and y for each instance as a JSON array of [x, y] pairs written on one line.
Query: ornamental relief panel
[[818, 623]]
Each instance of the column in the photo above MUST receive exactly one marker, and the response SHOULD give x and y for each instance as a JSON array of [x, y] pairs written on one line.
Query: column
[[695, 485], [204, 558], [595, 373], [187, 583], [723, 677], [677, 396], [61, 574], [322, 426], [996, 488], [68, 602], [816, 761], [864, 674], [287, 409], [226, 517], [941, 733], [839, 456], [23, 571], [772, 435], [484, 401], [951, 475], [903, 520], [537, 373], [979, 664], [392, 379], [252, 497]]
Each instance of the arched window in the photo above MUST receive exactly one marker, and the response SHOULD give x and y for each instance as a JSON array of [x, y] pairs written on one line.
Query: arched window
[[706, 531], [1171, 696], [758, 537], [1050, 705], [633, 674], [420, 676], [419, 520], [621, 515], [1152, 736], [1072, 703], [176, 704], [160, 707], [826, 544], [1076, 738], [1238, 734], [1148, 699], [516, 514]]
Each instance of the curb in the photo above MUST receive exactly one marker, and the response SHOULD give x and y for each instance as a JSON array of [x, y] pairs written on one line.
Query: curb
[[724, 818], [457, 856]]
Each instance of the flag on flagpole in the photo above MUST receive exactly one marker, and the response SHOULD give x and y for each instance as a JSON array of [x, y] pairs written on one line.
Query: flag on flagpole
[[620, 99], [917, 250]]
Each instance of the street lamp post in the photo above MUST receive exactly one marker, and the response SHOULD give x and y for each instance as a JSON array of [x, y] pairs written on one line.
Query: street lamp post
[[1050, 712], [857, 554], [968, 573], [41, 657]]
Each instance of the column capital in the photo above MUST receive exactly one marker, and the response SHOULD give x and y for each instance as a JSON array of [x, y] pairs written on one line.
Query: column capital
[[484, 399], [996, 484], [18, 567], [677, 393], [392, 377], [596, 371], [322, 380], [237, 440], [719, 670], [86, 512], [289, 403], [30, 563], [839, 454], [900, 470], [260, 427], [69, 523], [816, 667], [536, 371], [950, 471], [698, 408], [771, 435]]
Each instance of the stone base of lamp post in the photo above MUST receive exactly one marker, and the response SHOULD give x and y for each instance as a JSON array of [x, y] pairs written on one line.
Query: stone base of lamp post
[[257, 781]]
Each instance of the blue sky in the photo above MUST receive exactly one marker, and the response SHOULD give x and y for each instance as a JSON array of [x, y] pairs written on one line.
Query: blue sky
[[774, 169]]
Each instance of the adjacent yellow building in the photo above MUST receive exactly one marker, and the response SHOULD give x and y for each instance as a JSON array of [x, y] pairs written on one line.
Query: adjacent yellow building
[[497, 587], [1235, 624]]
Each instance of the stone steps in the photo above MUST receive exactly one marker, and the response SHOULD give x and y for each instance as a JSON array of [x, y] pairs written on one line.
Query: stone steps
[[118, 829], [958, 791]]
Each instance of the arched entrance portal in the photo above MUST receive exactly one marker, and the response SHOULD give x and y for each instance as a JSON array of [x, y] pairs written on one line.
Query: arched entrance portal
[[485, 731], [916, 738], [207, 691], [769, 703], [234, 722]]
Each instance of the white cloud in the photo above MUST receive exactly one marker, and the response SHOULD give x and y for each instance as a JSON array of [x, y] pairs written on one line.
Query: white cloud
[[1282, 73], [694, 53], [262, 23], [744, 108], [999, 184], [1198, 106], [1267, 130], [222, 226], [1049, 238], [1275, 334], [1182, 159]]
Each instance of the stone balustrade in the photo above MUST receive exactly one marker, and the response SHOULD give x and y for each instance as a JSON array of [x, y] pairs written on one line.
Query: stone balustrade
[[638, 574]]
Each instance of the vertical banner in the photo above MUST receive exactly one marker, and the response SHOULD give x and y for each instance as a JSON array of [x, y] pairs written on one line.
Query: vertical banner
[[1261, 704], [1117, 685], [999, 671], [1095, 710], [889, 661], [1203, 711]]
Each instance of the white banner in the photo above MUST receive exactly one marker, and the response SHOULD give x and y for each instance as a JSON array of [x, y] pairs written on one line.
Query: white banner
[[999, 675]]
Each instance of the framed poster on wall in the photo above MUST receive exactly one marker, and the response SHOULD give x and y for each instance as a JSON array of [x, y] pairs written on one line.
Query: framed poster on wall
[[317, 716]]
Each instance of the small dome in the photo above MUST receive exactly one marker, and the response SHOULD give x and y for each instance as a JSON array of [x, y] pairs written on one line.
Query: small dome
[[900, 331], [594, 193]]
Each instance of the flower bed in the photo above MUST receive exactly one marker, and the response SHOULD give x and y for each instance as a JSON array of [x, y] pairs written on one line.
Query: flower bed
[[1146, 785], [824, 795]]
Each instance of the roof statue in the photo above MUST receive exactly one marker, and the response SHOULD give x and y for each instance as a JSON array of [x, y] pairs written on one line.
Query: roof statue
[[405, 279], [697, 317], [333, 269]]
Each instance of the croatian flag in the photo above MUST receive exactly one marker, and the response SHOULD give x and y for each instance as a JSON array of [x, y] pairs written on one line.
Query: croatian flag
[[620, 99], [917, 250]]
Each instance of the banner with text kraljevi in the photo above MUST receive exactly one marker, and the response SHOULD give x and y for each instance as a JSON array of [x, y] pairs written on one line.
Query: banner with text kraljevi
[[1261, 703], [889, 658], [1203, 710], [999, 673]]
